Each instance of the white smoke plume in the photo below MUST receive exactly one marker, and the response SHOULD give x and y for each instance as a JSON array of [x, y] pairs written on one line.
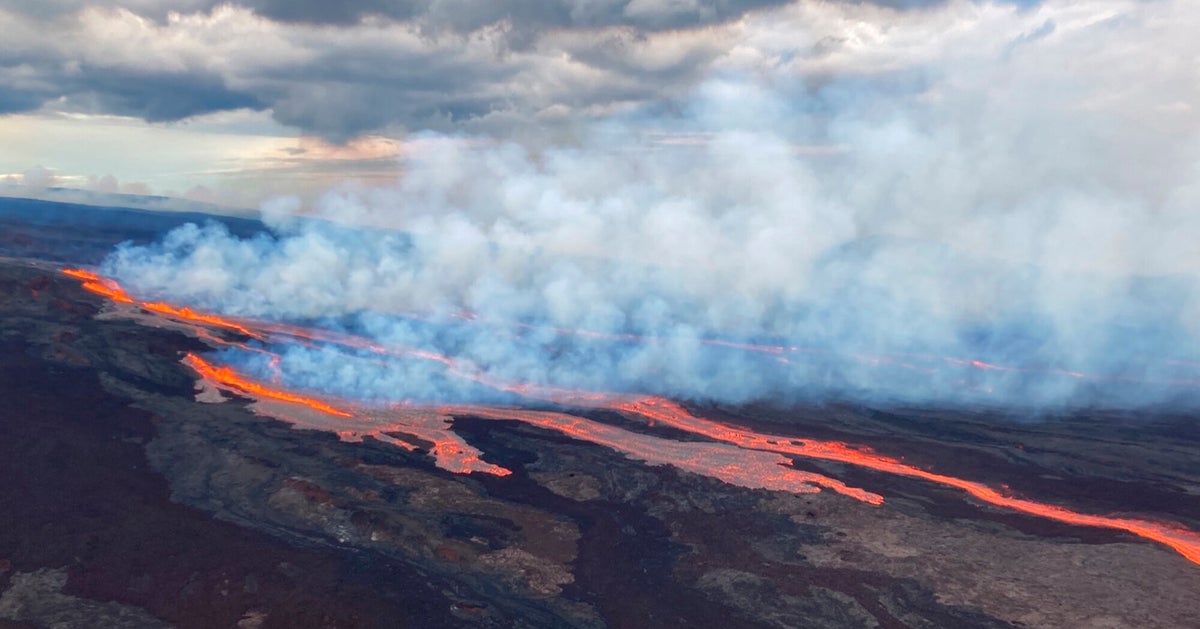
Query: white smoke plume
[[1023, 191]]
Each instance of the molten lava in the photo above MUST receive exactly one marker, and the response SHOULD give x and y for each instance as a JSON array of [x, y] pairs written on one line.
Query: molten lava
[[110, 289], [1184, 541], [188, 314], [734, 454], [230, 378], [733, 465], [100, 285]]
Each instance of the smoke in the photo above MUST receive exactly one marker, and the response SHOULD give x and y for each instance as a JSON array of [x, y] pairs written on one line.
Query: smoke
[[1007, 220]]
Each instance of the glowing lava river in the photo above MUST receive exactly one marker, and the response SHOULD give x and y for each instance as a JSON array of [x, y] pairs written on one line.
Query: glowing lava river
[[732, 454]]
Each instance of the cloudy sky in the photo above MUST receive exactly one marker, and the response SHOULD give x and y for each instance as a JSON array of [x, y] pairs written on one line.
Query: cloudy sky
[[238, 101], [1011, 179]]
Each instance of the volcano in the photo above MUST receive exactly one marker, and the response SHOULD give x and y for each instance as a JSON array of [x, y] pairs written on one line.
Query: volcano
[[164, 466]]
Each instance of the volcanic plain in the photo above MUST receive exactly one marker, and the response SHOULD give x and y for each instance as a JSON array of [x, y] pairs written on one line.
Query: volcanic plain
[[128, 502]]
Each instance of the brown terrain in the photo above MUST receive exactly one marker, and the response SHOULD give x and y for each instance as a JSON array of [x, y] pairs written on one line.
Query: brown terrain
[[124, 502]]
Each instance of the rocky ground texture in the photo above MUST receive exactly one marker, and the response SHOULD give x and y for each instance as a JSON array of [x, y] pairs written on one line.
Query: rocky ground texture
[[126, 503]]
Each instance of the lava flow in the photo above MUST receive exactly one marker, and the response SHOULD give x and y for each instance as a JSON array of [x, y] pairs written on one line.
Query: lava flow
[[402, 425], [739, 456], [733, 465], [191, 315], [230, 378], [99, 285], [315, 337], [1183, 541], [109, 288]]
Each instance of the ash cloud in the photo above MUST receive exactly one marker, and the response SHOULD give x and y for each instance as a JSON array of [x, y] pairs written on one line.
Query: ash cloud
[[985, 223]]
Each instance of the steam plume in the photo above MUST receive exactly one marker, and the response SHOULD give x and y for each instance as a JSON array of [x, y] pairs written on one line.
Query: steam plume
[[979, 230]]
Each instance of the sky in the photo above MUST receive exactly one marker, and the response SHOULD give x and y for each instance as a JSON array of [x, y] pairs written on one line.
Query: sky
[[236, 102]]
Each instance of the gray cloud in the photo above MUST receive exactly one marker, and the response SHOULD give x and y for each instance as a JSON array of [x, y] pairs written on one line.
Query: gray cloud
[[428, 65], [339, 69], [12, 102], [456, 15], [159, 96]]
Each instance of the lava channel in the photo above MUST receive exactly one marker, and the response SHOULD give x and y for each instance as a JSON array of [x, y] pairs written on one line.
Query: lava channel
[[668, 413], [110, 289]]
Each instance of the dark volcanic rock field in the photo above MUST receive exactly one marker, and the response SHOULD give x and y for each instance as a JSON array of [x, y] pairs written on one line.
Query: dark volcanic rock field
[[125, 503]]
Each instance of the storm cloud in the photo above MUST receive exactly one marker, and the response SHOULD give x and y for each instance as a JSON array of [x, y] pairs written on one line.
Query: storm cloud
[[341, 69]]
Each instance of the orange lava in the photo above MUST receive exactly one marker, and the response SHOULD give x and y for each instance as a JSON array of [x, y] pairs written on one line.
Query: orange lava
[[449, 450], [466, 459], [112, 290], [231, 379], [81, 274], [458, 368], [733, 465], [408, 428], [100, 285], [725, 462], [740, 456], [1183, 541], [188, 314]]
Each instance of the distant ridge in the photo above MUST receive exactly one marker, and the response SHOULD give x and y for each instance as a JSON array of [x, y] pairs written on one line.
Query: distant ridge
[[154, 202], [82, 233]]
